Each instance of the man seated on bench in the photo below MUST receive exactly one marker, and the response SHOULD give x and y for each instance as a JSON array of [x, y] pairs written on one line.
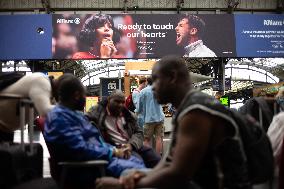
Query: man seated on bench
[[71, 137], [119, 127]]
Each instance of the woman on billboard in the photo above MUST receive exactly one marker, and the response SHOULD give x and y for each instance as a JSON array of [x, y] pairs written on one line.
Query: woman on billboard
[[100, 37]]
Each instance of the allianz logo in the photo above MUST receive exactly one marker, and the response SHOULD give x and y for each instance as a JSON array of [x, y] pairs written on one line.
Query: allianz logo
[[68, 21]]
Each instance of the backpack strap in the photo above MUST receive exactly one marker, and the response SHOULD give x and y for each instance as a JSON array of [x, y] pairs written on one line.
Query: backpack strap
[[198, 100], [263, 107]]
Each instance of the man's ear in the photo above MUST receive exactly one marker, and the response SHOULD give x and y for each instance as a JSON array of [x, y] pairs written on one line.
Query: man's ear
[[54, 88], [173, 77], [77, 95], [193, 31]]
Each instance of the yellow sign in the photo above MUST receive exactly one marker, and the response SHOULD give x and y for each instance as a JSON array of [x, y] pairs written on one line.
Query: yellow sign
[[91, 101], [55, 74]]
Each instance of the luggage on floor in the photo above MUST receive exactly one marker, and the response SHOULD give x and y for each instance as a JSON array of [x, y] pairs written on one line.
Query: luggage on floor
[[21, 162]]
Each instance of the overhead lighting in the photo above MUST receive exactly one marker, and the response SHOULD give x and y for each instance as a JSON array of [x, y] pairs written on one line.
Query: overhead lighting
[[135, 7]]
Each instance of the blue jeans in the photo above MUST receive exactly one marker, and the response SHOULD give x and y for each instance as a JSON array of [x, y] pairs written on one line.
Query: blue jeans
[[117, 165], [149, 156], [140, 122]]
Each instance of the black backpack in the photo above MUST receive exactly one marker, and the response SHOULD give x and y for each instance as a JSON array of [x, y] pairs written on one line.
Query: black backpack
[[257, 147], [8, 78], [260, 109], [129, 103], [256, 144]]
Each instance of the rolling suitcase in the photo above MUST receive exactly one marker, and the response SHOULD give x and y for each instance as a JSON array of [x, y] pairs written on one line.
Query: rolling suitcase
[[21, 162]]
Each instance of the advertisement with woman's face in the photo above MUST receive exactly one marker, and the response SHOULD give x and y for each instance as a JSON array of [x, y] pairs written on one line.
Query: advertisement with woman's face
[[120, 36], [100, 36], [103, 36]]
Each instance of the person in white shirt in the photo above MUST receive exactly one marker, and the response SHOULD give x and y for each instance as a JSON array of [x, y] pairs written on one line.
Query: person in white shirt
[[37, 87], [189, 30]]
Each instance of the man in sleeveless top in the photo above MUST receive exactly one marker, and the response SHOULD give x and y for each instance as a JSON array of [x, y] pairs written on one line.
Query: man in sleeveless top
[[205, 149]]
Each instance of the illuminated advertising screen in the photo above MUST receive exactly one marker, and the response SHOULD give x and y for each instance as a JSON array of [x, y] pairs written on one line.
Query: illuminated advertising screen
[[225, 101], [120, 36], [259, 35], [95, 36], [21, 37]]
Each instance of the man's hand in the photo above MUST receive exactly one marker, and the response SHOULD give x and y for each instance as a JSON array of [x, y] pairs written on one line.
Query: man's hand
[[128, 150], [131, 179], [128, 146], [108, 183], [122, 153]]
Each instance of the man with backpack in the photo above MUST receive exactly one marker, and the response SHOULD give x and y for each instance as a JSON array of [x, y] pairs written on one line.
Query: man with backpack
[[211, 145]]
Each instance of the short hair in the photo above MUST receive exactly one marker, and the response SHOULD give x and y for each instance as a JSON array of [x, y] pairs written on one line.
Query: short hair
[[196, 22], [172, 62], [142, 80], [115, 93], [88, 34], [68, 84]]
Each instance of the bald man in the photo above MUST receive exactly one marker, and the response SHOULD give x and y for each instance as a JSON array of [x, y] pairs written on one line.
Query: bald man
[[120, 128], [205, 151]]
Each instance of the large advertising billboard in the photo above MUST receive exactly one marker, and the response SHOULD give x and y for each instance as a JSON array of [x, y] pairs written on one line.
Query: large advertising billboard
[[259, 35], [142, 36], [25, 37], [120, 36]]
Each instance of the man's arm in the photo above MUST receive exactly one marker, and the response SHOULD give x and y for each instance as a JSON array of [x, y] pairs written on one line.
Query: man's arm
[[192, 142], [40, 94], [136, 140], [61, 130]]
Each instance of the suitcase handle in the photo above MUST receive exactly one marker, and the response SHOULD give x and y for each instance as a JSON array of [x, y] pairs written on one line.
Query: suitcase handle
[[23, 104]]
